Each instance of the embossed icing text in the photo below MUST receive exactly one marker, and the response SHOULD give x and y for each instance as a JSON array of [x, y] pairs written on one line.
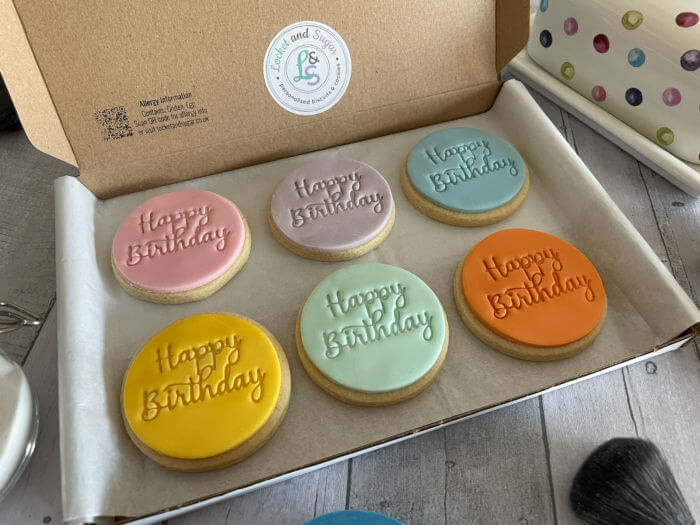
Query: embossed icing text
[[475, 160], [541, 281], [335, 195], [181, 230], [211, 370], [383, 317]]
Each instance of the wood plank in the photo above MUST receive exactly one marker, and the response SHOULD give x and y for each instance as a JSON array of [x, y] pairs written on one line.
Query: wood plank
[[406, 481], [37, 496], [665, 400], [497, 469], [489, 469], [578, 419], [678, 217], [290, 502], [27, 267]]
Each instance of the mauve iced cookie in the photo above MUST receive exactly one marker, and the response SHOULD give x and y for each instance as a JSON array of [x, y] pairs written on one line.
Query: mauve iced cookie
[[332, 210], [465, 177], [180, 246]]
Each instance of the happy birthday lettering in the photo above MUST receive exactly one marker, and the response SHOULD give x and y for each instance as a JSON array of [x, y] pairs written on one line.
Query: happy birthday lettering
[[203, 383], [541, 281], [469, 167], [339, 194], [182, 230], [383, 318]]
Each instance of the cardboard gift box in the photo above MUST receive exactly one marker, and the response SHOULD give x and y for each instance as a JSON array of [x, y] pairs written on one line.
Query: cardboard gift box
[[70, 65], [88, 80]]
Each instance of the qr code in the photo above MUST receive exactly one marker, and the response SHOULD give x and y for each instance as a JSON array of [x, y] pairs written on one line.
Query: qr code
[[114, 123]]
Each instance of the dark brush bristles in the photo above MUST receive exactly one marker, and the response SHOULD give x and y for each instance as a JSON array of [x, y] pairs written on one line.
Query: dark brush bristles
[[626, 481]]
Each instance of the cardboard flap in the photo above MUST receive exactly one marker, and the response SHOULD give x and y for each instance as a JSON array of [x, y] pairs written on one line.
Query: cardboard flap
[[509, 16], [28, 90], [149, 93]]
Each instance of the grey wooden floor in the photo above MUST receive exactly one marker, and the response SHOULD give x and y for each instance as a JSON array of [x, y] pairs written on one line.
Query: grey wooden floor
[[510, 466]]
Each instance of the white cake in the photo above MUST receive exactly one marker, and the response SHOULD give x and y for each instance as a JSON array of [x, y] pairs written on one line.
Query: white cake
[[638, 59]]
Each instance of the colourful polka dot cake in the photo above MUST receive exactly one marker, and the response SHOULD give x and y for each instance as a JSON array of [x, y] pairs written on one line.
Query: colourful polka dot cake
[[637, 59]]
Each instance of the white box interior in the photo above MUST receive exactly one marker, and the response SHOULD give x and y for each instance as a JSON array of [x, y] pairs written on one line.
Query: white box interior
[[101, 327]]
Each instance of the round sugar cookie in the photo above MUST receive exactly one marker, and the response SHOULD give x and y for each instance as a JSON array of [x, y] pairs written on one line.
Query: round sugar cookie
[[332, 210], [372, 334], [180, 246], [465, 177], [206, 392], [530, 295]]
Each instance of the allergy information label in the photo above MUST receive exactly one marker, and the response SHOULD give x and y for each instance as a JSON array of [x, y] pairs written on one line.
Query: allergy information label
[[307, 68], [151, 115], [169, 112]]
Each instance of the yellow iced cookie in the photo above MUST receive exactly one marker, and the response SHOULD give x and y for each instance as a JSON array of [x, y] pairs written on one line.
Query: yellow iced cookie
[[205, 392]]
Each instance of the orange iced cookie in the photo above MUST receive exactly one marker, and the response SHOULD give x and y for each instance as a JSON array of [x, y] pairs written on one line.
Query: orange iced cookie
[[530, 295]]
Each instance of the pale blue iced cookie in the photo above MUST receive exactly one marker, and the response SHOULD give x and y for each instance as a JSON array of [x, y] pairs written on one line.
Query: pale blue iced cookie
[[465, 177]]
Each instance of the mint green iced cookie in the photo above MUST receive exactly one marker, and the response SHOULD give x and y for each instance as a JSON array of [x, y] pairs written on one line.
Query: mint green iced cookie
[[372, 334]]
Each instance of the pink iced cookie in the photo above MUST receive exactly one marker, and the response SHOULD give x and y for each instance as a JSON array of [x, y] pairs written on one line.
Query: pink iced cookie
[[180, 246], [332, 210]]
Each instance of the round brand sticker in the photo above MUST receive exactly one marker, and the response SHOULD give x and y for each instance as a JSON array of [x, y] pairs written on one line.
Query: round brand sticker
[[307, 68]]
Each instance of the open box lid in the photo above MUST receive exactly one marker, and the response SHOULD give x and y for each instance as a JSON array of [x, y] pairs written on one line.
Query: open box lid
[[141, 94]]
